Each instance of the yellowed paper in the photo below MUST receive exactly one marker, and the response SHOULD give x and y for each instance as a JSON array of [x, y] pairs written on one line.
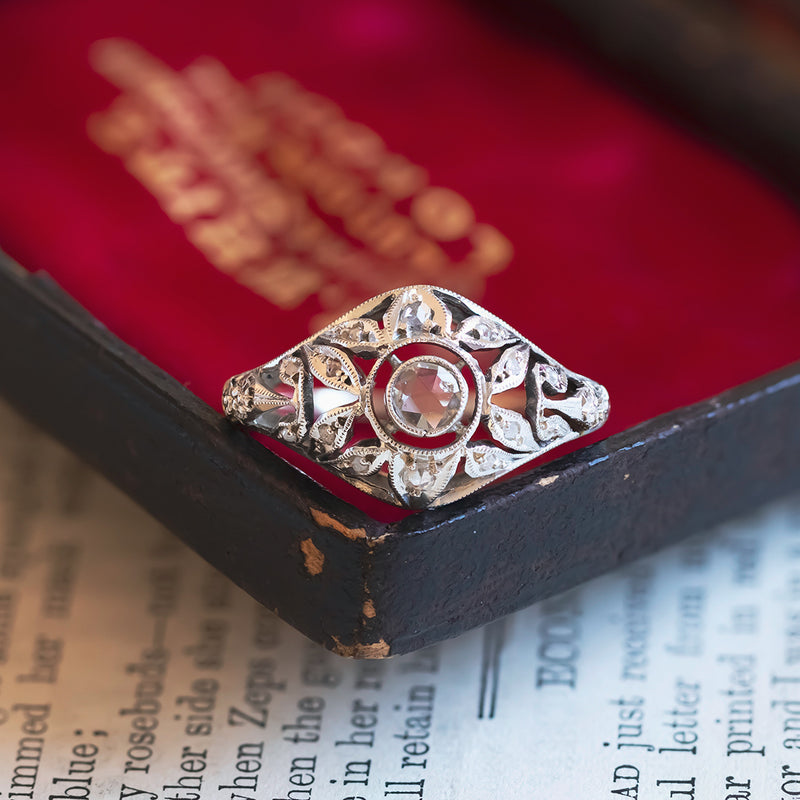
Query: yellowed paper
[[130, 669]]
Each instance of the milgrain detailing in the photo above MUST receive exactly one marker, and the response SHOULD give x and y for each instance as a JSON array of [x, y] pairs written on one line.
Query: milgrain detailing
[[411, 398], [277, 188]]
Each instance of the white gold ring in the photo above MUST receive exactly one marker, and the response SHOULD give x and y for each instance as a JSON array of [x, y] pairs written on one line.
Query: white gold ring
[[418, 397]]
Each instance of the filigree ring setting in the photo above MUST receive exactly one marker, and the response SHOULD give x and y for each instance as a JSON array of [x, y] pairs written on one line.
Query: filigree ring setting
[[418, 397]]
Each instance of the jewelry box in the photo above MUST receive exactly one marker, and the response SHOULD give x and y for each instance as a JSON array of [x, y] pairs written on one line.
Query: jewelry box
[[190, 189]]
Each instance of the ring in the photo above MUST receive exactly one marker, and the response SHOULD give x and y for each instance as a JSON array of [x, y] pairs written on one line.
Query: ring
[[418, 397]]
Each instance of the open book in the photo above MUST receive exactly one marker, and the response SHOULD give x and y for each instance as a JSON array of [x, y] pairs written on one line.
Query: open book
[[130, 669]]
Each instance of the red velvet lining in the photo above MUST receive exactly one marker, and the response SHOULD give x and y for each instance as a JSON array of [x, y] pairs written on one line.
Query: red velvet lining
[[643, 258]]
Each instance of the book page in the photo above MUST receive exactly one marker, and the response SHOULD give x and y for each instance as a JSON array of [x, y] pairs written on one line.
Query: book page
[[131, 669]]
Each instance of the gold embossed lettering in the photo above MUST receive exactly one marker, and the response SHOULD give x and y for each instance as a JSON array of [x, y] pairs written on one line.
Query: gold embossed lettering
[[277, 188]]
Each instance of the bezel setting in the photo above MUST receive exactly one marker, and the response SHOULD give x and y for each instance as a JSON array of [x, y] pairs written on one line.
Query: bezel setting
[[461, 393]]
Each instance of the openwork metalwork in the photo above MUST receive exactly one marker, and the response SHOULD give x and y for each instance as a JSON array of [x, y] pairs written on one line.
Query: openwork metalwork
[[418, 397]]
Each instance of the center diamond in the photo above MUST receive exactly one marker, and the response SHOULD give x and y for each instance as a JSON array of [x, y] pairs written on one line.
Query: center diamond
[[426, 397]]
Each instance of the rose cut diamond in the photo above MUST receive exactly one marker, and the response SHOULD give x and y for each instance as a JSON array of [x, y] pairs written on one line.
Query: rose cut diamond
[[426, 397]]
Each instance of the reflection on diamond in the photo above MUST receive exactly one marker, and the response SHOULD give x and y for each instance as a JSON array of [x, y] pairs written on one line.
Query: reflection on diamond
[[418, 478], [426, 396], [414, 316]]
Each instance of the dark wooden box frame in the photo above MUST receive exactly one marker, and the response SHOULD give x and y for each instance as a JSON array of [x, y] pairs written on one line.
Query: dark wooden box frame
[[360, 587]]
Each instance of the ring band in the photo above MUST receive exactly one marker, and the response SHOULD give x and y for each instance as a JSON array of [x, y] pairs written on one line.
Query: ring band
[[418, 397]]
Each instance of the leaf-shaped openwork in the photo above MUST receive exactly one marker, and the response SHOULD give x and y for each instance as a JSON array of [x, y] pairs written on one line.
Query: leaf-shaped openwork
[[362, 461], [480, 333], [334, 368], [290, 427], [552, 375], [483, 460], [552, 383], [292, 370], [552, 426], [391, 397], [420, 478], [416, 311], [593, 404], [332, 430], [363, 336], [509, 369], [586, 407], [511, 429], [292, 430]]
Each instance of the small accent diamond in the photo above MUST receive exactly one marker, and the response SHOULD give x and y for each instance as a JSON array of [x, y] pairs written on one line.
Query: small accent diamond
[[326, 433], [418, 478], [237, 401], [357, 331], [361, 465], [590, 405], [414, 317]]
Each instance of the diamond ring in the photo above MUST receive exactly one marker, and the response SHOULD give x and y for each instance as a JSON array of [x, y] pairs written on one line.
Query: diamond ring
[[418, 397]]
